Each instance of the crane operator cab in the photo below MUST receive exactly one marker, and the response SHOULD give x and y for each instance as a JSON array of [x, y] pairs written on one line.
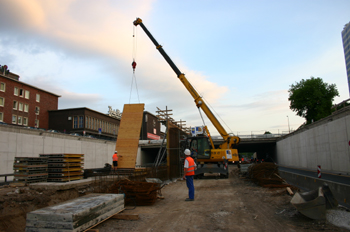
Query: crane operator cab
[[209, 160], [199, 147]]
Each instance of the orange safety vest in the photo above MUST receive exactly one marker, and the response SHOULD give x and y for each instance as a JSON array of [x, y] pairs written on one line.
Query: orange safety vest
[[115, 157], [191, 167]]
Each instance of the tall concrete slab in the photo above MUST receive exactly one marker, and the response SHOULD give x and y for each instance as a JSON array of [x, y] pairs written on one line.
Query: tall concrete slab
[[75, 215], [129, 135]]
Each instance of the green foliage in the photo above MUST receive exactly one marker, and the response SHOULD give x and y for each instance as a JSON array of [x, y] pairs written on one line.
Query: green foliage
[[312, 98], [267, 133]]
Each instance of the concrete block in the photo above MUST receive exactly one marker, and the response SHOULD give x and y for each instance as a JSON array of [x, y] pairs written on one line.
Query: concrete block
[[75, 215], [61, 186], [340, 191]]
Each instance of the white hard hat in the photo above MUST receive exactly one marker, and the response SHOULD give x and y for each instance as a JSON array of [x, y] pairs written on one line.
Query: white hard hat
[[115, 152], [187, 152]]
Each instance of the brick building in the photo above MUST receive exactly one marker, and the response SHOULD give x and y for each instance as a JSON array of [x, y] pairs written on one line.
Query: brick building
[[150, 129], [84, 121], [23, 104]]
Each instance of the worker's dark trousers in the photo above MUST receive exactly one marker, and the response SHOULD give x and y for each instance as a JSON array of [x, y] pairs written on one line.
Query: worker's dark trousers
[[190, 186]]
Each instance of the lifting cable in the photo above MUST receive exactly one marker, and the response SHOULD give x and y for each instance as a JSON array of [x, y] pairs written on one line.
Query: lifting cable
[[133, 64], [200, 113], [217, 115]]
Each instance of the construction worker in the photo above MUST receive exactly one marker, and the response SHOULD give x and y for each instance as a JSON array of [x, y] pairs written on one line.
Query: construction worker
[[115, 160], [189, 167]]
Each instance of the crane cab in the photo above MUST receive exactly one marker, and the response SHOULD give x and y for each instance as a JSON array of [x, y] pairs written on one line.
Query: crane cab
[[199, 147]]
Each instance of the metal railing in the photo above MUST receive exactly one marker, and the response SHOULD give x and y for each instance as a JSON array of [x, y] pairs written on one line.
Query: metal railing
[[6, 175]]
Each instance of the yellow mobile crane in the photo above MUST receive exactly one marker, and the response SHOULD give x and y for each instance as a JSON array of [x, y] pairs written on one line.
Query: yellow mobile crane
[[208, 158]]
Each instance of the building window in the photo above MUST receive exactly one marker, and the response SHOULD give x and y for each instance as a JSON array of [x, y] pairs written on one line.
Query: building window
[[1, 116], [75, 122], [86, 122], [15, 105], [19, 120], [37, 97], [26, 108], [2, 101], [26, 95], [37, 123], [21, 92], [14, 119], [37, 110], [25, 121], [15, 91], [81, 121], [2, 87], [20, 106]]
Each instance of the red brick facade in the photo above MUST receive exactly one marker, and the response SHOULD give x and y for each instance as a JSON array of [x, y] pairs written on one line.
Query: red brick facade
[[19, 101]]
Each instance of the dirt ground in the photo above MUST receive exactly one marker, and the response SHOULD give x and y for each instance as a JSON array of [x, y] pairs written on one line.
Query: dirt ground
[[233, 204]]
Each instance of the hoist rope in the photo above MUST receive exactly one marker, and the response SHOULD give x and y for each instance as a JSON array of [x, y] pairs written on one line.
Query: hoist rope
[[218, 115], [211, 109], [132, 81], [134, 49], [200, 113]]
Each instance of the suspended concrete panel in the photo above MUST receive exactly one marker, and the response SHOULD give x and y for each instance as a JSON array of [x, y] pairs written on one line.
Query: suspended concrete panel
[[129, 135]]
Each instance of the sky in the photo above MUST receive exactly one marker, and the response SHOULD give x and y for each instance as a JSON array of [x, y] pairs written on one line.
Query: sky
[[241, 56]]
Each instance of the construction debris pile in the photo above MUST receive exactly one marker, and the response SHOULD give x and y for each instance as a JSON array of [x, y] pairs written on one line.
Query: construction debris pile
[[266, 175], [137, 193]]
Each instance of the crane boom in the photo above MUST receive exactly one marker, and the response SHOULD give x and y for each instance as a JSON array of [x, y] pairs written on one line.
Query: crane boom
[[228, 140]]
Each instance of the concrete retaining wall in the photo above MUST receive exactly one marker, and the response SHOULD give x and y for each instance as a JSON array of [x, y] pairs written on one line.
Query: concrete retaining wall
[[326, 144], [22, 142]]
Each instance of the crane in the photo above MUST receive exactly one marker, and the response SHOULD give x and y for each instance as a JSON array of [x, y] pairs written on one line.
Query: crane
[[209, 160]]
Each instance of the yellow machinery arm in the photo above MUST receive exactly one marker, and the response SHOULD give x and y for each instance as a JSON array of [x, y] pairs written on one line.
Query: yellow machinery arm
[[229, 141]]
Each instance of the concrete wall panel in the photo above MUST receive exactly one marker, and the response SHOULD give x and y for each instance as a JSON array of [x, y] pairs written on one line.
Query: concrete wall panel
[[326, 144], [20, 142]]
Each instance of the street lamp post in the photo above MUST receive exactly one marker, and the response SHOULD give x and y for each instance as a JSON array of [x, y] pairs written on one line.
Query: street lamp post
[[288, 124]]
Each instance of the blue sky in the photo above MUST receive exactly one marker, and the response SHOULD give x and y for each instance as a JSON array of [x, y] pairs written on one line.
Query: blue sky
[[242, 56]]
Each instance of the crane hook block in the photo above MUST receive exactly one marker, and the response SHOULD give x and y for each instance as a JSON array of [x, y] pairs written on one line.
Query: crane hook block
[[133, 64]]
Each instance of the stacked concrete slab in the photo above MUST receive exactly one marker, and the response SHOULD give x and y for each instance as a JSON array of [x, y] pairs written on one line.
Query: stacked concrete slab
[[75, 215], [30, 169], [63, 167]]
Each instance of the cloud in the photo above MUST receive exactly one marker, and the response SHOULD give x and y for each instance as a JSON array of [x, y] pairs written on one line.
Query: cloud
[[83, 49], [74, 100], [20, 14]]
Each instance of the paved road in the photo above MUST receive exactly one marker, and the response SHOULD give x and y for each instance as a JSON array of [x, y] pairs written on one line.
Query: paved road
[[325, 176]]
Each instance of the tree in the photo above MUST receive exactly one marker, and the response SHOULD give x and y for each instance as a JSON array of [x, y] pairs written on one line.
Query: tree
[[312, 98]]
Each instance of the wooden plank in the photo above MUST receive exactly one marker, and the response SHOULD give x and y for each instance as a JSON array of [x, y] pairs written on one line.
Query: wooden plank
[[130, 217], [129, 134], [101, 221]]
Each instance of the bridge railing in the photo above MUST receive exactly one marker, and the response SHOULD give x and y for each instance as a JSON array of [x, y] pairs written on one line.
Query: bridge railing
[[254, 136]]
